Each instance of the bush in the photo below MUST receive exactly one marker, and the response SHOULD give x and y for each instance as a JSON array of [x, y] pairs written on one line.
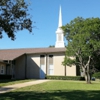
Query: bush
[[96, 75], [5, 76], [65, 77]]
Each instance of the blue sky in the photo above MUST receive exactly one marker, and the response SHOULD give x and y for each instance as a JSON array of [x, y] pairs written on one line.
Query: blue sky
[[45, 14]]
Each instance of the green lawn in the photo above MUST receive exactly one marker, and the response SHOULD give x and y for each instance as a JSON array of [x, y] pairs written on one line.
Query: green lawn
[[56, 90], [10, 82]]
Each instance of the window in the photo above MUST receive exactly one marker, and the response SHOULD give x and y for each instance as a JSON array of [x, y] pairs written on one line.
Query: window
[[51, 67], [50, 59], [42, 59], [42, 66], [2, 70]]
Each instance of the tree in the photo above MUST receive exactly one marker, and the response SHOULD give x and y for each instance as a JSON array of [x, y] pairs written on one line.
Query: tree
[[51, 46], [83, 36], [95, 62], [14, 17]]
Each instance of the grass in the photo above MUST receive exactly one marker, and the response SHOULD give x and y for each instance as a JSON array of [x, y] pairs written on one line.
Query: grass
[[10, 82], [56, 90]]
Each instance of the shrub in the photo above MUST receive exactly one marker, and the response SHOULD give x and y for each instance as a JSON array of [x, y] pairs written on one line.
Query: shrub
[[96, 75], [65, 77], [5, 76]]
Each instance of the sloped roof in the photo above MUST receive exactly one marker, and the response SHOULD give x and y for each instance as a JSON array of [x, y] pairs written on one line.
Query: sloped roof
[[11, 54], [1, 60]]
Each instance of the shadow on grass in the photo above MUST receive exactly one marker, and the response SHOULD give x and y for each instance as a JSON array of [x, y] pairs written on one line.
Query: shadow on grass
[[52, 95]]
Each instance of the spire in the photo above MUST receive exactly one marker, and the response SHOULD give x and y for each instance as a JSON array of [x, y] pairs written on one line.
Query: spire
[[59, 33], [60, 18]]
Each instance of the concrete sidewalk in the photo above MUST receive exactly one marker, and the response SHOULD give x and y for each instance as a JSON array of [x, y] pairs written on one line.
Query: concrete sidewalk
[[20, 85]]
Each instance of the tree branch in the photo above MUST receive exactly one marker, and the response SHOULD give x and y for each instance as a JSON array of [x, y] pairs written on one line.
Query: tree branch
[[88, 61]]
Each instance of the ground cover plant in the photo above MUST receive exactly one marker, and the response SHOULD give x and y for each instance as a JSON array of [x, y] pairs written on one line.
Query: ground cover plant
[[56, 90], [10, 82]]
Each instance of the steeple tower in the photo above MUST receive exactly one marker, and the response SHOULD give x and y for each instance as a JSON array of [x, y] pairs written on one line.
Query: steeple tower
[[59, 33]]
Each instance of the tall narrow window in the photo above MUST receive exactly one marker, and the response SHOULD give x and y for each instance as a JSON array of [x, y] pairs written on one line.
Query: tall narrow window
[[51, 67], [42, 59], [42, 66], [51, 59], [2, 70]]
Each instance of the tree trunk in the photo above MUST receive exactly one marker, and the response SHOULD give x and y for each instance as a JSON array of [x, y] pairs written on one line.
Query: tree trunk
[[85, 68], [85, 74], [88, 75], [87, 71]]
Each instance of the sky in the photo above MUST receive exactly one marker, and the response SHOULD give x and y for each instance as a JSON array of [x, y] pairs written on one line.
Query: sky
[[45, 14]]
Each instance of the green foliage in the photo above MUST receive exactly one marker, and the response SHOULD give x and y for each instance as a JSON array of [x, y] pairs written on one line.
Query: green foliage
[[96, 75], [65, 77], [83, 36], [68, 61], [14, 17], [51, 46], [95, 62]]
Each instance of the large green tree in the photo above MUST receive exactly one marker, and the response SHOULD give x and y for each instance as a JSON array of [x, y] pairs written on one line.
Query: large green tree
[[14, 17], [83, 36]]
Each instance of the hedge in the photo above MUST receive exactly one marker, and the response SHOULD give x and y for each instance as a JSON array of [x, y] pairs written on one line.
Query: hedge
[[96, 75], [65, 77], [5, 76]]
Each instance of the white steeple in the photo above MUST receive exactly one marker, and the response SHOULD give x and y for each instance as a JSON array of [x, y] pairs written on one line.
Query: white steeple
[[59, 33], [60, 18]]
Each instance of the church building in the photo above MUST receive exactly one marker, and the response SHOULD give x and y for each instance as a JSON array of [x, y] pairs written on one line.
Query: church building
[[37, 62]]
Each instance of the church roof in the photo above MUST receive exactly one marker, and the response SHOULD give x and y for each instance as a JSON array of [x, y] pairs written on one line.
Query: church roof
[[11, 54]]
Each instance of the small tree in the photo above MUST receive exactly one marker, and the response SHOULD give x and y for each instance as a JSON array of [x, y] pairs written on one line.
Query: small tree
[[14, 17], [83, 36], [51, 46]]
